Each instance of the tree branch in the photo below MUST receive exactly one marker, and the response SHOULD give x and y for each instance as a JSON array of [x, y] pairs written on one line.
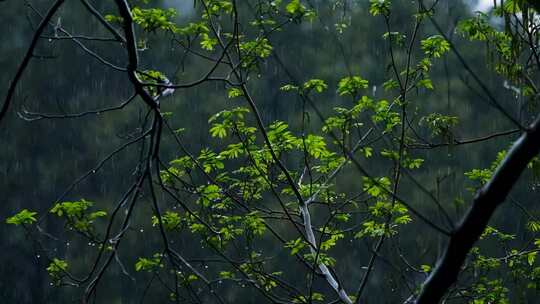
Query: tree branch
[[486, 201], [22, 67]]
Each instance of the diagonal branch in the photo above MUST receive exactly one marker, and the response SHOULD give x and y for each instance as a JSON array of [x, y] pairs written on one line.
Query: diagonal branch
[[29, 53], [486, 201], [101, 19]]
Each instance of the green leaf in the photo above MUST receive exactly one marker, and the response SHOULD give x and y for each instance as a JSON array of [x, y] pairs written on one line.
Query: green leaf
[[426, 83], [375, 187], [295, 8], [379, 7], [77, 216], [226, 275], [390, 84], [439, 124], [235, 92], [208, 43], [170, 220], [57, 269], [317, 85], [209, 194], [255, 223], [23, 217], [218, 130], [296, 245], [435, 46], [477, 28], [149, 264], [531, 257], [288, 87], [351, 85], [154, 18], [367, 151], [320, 258], [533, 226]]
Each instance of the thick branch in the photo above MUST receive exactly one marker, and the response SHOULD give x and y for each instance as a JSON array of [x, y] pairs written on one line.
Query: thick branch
[[487, 199], [133, 55]]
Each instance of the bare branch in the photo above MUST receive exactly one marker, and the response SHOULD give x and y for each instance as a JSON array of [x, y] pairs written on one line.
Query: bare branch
[[29, 53]]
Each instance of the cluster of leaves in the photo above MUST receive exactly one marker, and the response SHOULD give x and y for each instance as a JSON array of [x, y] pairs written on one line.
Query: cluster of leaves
[[441, 125], [482, 176], [505, 45], [154, 19], [386, 215], [520, 264], [245, 166], [23, 217], [151, 264], [152, 77], [77, 215], [379, 7], [57, 269]]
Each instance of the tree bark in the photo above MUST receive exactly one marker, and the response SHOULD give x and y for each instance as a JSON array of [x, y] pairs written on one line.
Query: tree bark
[[486, 201]]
